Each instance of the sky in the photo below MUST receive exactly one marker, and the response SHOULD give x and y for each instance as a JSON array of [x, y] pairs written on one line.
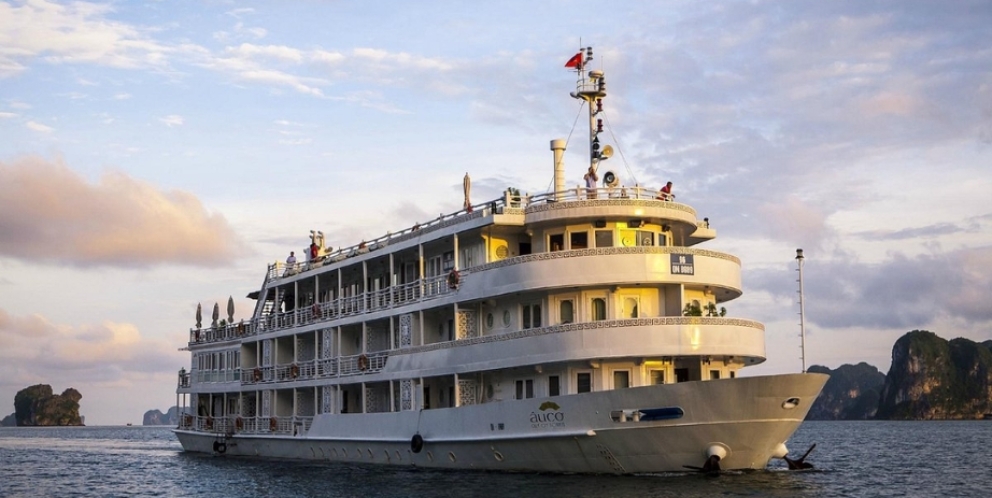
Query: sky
[[155, 155]]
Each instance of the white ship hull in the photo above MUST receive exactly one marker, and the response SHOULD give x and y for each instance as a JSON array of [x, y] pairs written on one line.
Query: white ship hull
[[748, 417]]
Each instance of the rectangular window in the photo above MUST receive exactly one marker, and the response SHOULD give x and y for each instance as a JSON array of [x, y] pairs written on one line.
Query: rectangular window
[[657, 377], [556, 242], [598, 308], [583, 382], [531, 315], [681, 375], [554, 385], [621, 379], [566, 311], [604, 238], [733, 374], [525, 389], [645, 238], [714, 374], [579, 240]]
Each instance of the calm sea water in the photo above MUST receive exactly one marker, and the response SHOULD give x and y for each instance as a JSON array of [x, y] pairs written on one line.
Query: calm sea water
[[947, 459]]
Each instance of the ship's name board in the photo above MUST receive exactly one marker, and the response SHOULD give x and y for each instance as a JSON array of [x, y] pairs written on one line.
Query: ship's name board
[[682, 264]]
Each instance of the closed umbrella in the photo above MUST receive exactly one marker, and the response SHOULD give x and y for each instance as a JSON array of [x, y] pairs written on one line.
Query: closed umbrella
[[199, 315], [230, 309]]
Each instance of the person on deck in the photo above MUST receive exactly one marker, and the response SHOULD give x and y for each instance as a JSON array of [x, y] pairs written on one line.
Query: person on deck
[[291, 263], [665, 193], [591, 178]]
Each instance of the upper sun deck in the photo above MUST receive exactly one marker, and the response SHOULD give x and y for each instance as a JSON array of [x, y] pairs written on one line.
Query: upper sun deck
[[572, 205]]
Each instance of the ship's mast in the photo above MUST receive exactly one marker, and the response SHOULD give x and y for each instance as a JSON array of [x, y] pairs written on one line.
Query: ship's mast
[[802, 308], [591, 87]]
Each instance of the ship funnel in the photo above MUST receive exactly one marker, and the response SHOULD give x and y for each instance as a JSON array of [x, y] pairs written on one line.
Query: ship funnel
[[558, 146]]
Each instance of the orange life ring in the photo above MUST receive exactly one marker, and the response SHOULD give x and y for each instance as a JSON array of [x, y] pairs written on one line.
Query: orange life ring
[[257, 374], [273, 424], [197, 336], [241, 328], [187, 420], [315, 310], [454, 279], [239, 423], [294, 371], [210, 422], [363, 362]]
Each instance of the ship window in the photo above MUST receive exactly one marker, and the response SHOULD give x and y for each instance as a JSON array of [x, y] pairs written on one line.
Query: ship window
[[604, 238], [598, 308], [554, 385], [733, 374], [525, 389], [630, 307], [657, 377], [566, 311], [579, 240], [583, 382], [645, 238], [489, 320], [621, 379], [531, 316], [556, 242], [714, 374], [681, 375]]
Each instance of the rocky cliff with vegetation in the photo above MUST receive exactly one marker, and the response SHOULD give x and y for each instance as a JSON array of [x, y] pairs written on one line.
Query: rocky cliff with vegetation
[[852, 393], [156, 417], [932, 378], [39, 406]]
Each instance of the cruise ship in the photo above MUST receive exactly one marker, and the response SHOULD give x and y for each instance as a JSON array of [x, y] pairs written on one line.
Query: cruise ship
[[579, 330]]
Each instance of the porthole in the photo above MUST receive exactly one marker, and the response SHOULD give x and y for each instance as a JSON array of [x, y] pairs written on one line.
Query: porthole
[[489, 391], [430, 456], [358, 453], [398, 456], [790, 403], [451, 456], [370, 454], [497, 455], [489, 321], [506, 318]]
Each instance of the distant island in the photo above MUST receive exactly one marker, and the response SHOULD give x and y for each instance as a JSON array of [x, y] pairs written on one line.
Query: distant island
[[930, 379], [39, 406], [156, 417]]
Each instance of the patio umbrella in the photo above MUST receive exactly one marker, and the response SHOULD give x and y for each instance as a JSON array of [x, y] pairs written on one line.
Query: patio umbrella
[[230, 309], [199, 315]]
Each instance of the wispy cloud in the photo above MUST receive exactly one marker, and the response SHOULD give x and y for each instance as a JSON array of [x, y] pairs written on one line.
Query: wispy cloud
[[171, 120], [77, 32], [8, 115], [35, 126], [53, 215]]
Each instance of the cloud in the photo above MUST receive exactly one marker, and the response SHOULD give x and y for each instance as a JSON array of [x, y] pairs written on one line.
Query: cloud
[[51, 214], [172, 120], [936, 230], [33, 349], [8, 115], [77, 32], [39, 127], [122, 96], [900, 292]]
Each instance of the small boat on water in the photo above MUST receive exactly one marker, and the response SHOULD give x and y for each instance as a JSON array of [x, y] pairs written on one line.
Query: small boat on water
[[576, 330]]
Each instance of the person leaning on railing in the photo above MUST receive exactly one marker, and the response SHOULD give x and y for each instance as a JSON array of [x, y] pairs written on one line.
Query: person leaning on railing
[[665, 194]]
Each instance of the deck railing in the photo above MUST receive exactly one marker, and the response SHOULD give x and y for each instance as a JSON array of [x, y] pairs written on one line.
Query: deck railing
[[238, 424], [326, 368]]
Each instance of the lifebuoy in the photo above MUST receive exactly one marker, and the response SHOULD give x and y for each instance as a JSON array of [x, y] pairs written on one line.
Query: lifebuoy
[[220, 446], [294, 371], [187, 420], [315, 310], [210, 423], [239, 423], [363, 363], [273, 423], [454, 279], [241, 328], [257, 375], [416, 443]]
